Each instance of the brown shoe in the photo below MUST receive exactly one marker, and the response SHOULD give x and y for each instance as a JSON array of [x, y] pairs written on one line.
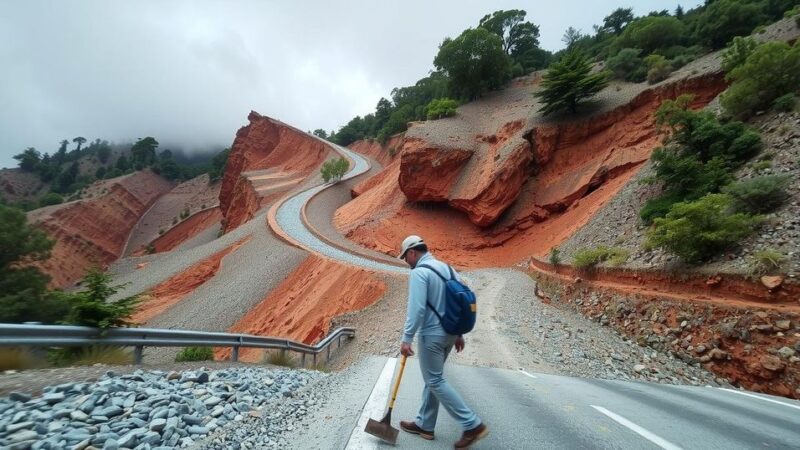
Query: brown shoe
[[472, 436], [411, 427]]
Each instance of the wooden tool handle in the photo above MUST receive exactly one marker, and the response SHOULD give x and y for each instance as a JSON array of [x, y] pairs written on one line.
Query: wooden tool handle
[[397, 382]]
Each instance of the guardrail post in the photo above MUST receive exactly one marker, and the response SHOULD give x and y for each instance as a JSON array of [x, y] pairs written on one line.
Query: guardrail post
[[303, 360], [137, 354], [339, 342], [315, 360], [328, 359], [235, 354]]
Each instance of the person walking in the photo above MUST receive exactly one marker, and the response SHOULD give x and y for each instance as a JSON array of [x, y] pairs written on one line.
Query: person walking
[[426, 292]]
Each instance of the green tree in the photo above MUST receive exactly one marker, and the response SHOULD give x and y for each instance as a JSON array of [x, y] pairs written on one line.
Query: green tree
[[93, 306], [103, 150], [61, 154], [79, 140], [29, 159], [617, 20], [568, 82], [571, 37], [22, 287], [698, 230], [658, 69], [122, 164], [652, 33], [724, 19], [320, 133], [772, 70], [475, 62], [143, 152], [67, 178], [218, 165], [512, 28], [334, 170]]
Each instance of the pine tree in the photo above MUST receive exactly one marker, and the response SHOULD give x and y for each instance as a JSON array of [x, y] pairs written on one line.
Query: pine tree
[[568, 82]]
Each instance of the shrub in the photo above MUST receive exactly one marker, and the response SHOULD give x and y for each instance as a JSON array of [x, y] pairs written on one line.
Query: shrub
[[588, 258], [761, 165], [759, 195], [627, 65], [185, 213], [680, 61], [51, 198], [784, 103], [765, 262], [724, 19], [737, 52], [555, 256], [652, 33], [658, 69], [279, 358], [697, 230], [658, 207], [195, 354], [441, 107], [772, 70]]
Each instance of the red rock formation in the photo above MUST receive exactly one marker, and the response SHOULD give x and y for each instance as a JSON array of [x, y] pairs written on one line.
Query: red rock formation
[[185, 230], [263, 144], [94, 231], [384, 154], [302, 306], [527, 187]]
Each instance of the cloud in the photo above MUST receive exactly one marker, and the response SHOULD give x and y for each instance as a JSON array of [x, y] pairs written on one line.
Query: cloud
[[189, 72]]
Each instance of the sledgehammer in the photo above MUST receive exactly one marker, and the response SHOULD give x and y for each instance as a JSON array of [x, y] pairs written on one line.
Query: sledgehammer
[[383, 429]]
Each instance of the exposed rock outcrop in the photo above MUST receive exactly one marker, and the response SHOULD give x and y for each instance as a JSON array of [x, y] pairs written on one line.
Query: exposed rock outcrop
[[94, 231], [302, 306], [525, 187], [264, 144]]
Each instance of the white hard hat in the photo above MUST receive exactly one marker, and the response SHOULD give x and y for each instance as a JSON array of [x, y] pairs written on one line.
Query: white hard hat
[[409, 243]]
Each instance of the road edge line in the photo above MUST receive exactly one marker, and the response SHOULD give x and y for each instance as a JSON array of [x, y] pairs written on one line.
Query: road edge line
[[374, 407], [757, 396]]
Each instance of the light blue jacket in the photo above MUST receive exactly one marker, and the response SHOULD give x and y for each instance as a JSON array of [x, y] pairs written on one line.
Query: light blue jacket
[[424, 285]]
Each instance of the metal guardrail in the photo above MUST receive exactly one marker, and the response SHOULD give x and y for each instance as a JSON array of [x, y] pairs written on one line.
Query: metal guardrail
[[15, 335]]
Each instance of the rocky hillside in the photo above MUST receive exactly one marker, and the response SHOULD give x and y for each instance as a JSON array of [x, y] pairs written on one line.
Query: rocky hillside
[[264, 150], [95, 230], [494, 191]]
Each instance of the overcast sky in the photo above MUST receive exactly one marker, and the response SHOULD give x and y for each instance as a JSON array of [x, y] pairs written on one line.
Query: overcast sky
[[189, 72]]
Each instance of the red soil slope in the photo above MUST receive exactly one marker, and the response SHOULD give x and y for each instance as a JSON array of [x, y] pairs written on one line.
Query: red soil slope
[[168, 293], [183, 231], [528, 188], [302, 306], [94, 231], [264, 144]]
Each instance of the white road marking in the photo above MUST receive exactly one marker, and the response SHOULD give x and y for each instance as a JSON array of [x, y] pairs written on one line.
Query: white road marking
[[759, 397], [528, 374], [661, 442], [374, 408]]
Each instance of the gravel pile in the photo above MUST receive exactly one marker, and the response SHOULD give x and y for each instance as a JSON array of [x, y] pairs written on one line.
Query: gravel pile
[[153, 409]]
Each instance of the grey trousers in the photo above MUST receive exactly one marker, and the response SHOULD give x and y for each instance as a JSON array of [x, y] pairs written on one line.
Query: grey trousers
[[432, 352]]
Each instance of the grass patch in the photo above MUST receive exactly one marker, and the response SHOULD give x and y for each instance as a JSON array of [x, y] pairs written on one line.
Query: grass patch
[[279, 358], [19, 359], [103, 354], [761, 165], [589, 257], [195, 354], [555, 256], [766, 262]]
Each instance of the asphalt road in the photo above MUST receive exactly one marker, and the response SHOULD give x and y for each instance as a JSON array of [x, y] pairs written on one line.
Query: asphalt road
[[528, 410]]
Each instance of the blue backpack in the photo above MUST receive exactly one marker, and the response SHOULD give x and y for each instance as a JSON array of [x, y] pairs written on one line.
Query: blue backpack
[[460, 305]]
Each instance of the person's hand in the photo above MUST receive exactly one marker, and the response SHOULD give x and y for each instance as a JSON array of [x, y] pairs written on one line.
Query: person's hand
[[405, 349], [460, 344]]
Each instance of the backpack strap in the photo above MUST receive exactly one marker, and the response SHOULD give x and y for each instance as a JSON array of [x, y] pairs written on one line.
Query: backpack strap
[[452, 275], [443, 279]]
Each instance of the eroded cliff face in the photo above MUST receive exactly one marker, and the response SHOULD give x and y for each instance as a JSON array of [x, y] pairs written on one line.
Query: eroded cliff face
[[265, 145], [94, 231], [489, 199], [302, 306]]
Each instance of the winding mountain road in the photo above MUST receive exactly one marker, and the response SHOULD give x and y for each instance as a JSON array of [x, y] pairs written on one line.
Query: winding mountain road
[[525, 408]]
